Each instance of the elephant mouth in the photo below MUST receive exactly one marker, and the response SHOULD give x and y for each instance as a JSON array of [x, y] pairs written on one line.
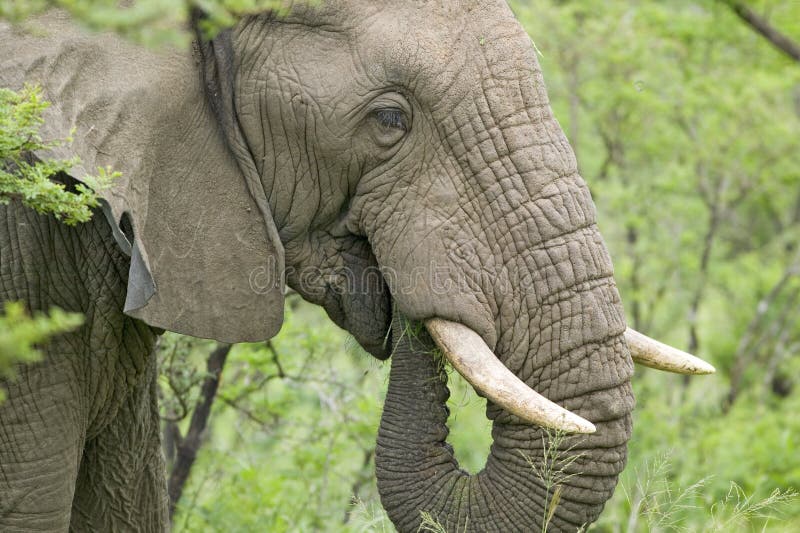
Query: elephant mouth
[[475, 361]]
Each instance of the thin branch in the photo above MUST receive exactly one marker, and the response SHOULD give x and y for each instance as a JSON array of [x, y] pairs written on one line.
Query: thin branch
[[363, 477], [190, 444], [767, 30], [233, 403], [275, 358], [748, 339]]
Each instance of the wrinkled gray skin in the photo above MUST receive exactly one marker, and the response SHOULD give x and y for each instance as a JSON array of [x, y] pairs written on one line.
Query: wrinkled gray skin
[[282, 144]]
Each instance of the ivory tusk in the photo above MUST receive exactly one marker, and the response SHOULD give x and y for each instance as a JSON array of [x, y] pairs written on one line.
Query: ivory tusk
[[650, 352], [473, 359]]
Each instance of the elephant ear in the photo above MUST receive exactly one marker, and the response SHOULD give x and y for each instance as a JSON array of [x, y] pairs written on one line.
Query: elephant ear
[[206, 258]]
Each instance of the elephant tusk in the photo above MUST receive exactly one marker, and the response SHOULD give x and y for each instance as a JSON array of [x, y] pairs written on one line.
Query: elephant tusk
[[650, 352], [473, 359]]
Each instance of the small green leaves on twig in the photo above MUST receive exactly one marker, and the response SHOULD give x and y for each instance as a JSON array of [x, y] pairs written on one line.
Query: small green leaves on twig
[[221, 14], [21, 332], [153, 23], [28, 178]]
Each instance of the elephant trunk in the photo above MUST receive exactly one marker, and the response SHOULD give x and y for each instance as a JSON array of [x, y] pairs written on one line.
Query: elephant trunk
[[524, 486], [502, 215], [539, 290]]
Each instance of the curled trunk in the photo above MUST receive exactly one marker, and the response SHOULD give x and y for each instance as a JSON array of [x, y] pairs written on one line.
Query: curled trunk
[[417, 471]]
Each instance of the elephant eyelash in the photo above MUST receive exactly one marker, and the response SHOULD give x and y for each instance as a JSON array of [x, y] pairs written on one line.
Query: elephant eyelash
[[392, 118]]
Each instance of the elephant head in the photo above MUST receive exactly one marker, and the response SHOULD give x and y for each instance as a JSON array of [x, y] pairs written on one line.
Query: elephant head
[[416, 137], [396, 163]]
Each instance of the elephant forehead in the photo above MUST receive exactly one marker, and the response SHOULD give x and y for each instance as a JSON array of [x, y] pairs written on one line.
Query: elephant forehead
[[333, 12], [406, 42]]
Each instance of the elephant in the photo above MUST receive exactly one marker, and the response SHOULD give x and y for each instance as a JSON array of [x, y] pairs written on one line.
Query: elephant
[[313, 149]]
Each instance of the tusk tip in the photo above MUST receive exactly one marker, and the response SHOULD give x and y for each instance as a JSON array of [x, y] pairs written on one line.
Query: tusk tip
[[704, 368], [693, 367], [473, 359], [565, 421], [654, 354], [584, 427], [559, 419]]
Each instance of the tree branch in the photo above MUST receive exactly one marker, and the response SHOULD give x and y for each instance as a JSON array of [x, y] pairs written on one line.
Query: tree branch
[[762, 26], [190, 444], [751, 334], [364, 477]]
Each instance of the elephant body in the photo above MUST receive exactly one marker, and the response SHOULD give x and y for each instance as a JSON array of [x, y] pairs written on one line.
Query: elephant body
[[391, 162], [79, 445]]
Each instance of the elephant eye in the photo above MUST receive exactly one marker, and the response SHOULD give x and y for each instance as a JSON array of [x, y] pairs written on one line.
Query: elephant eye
[[389, 126], [392, 118]]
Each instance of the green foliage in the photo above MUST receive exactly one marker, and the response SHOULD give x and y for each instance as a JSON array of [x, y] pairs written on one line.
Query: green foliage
[[656, 499], [470, 430], [20, 333], [154, 23], [181, 362], [657, 502], [293, 436], [224, 13], [369, 518], [28, 178], [739, 510]]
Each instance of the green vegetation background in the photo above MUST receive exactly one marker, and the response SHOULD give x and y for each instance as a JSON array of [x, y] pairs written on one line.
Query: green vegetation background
[[686, 125]]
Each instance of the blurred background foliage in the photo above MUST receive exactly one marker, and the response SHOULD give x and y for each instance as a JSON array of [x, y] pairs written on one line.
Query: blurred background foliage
[[686, 124], [21, 333], [150, 22]]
